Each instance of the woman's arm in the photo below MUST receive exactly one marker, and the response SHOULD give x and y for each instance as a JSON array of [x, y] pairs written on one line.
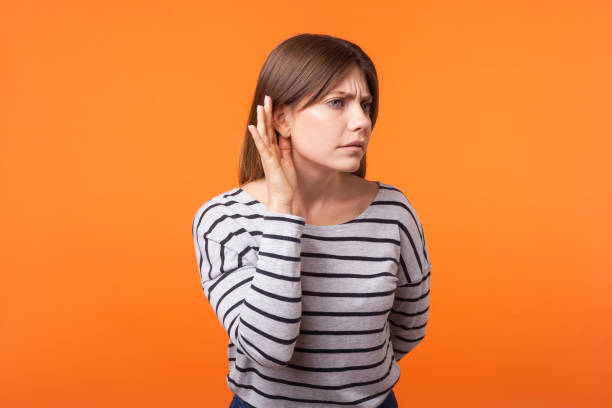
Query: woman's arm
[[409, 316], [410, 313], [259, 303]]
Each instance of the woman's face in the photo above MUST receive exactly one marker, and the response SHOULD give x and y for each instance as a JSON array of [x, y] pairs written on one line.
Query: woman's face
[[318, 132]]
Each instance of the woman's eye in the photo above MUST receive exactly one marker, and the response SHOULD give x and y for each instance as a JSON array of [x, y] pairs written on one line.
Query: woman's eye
[[333, 100]]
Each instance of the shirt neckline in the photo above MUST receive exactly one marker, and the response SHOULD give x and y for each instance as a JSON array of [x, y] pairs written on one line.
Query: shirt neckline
[[262, 207]]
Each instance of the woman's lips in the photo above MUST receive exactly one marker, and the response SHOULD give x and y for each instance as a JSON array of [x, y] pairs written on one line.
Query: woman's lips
[[352, 148]]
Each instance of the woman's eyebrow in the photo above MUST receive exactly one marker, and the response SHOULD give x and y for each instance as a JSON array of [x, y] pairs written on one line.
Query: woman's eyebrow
[[350, 95]]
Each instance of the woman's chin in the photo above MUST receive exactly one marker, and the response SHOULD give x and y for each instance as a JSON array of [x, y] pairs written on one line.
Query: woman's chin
[[350, 167]]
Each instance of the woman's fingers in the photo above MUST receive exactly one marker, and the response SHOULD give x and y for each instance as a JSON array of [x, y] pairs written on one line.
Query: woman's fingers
[[263, 135], [261, 124], [256, 138], [268, 115], [260, 138]]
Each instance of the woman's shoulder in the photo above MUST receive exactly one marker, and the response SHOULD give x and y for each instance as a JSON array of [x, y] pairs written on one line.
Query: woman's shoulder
[[221, 216], [392, 192], [401, 205], [219, 202]]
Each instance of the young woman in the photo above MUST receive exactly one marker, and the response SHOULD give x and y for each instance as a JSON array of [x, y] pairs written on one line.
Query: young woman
[[319, 277]]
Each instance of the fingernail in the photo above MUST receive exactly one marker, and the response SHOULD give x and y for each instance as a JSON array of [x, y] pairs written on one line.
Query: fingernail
[[266, 99]]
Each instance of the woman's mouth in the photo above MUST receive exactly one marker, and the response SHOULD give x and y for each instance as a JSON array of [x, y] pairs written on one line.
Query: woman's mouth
[[352, 148]]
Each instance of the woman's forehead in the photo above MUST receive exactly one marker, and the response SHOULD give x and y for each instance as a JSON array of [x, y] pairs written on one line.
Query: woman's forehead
[[353, 81]]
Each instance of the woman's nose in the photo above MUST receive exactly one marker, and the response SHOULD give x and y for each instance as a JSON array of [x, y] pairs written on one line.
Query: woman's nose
[[360, 117]]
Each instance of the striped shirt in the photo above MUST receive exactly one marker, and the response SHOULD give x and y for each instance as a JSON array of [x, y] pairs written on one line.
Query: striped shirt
[[316, 315]]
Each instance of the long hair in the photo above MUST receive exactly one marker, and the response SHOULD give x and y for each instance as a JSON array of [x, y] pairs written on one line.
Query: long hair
[[302, 65]]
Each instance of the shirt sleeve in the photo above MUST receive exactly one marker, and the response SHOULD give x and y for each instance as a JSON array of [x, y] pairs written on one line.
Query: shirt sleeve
[[410, 313], [257, 299]]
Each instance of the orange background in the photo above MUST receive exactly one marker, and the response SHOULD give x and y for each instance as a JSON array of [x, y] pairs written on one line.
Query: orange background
[[119, 119]]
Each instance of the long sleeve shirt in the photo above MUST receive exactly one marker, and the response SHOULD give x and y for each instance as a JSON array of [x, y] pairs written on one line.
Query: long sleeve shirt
[[316, 315]]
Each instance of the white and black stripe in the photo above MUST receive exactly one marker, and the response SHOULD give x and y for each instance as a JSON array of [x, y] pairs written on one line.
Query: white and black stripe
[[316, 315]]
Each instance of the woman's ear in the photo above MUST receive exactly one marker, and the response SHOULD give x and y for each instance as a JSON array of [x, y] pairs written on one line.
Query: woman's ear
[[281, 120]]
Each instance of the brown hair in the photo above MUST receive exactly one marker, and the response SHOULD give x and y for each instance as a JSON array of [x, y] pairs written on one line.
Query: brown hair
[[302, 65]]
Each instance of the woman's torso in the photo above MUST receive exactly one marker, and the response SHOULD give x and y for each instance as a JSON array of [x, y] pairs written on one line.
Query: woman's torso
[[349, 276]]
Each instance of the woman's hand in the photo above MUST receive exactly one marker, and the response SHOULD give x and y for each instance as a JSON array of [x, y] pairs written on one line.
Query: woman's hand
[[275, 157]]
